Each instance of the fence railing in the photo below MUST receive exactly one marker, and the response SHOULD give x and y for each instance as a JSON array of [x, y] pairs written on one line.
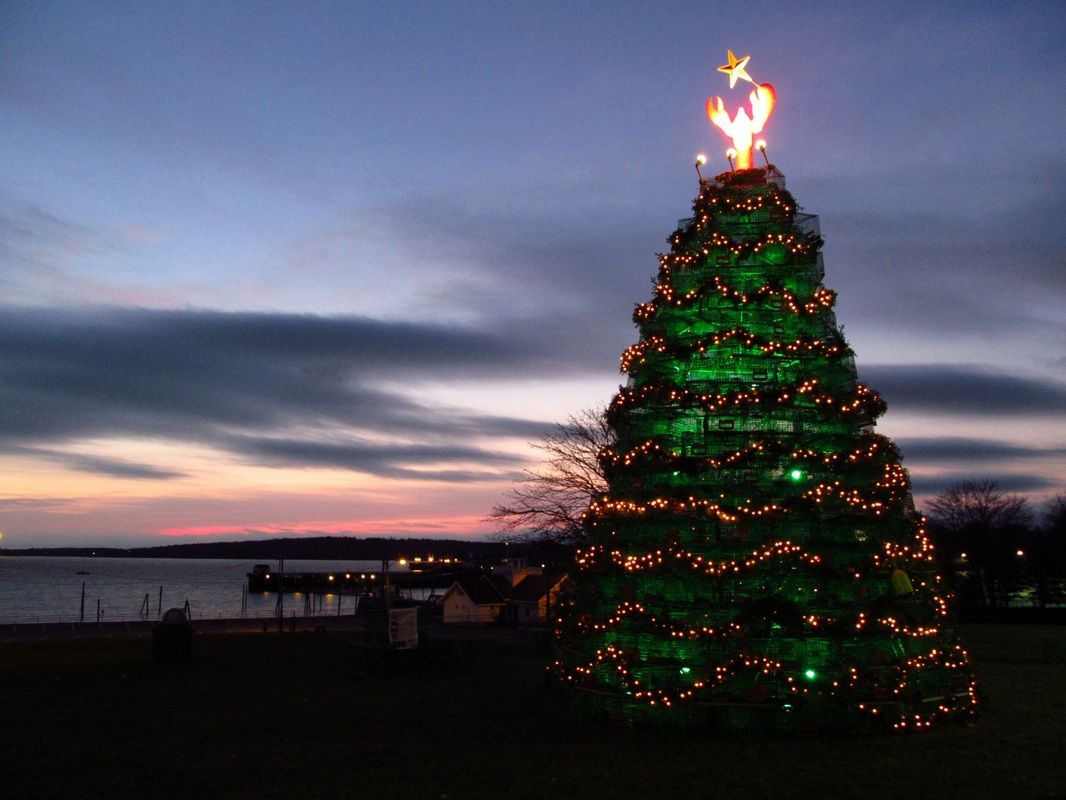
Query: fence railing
[[33, 618]]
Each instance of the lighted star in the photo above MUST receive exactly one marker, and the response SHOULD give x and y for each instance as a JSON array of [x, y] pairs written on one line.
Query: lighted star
[[735, 69]]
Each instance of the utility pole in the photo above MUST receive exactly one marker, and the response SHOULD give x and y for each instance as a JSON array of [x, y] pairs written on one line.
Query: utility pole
[[388, 589], [281, 595]]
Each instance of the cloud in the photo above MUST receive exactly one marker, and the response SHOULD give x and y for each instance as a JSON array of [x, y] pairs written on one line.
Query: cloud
[[953, 389], [377, 458], [569, 281], [956, 262], [99, 465], [14, 504], [288, 389], [931, 484], [950, 448]]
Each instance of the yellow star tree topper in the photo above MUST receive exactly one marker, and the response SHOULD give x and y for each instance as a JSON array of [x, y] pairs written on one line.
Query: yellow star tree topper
[[742, 127], [735, 69]]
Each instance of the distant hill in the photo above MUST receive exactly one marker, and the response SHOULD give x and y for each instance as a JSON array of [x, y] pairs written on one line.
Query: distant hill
[[346, 548]]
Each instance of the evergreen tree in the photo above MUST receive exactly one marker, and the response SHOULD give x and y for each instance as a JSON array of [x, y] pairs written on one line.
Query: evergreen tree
[[756, 562]]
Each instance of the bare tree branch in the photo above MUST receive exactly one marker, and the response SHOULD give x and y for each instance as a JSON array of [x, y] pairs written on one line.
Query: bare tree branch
[[550, 502], [978, 505], [977, 518]]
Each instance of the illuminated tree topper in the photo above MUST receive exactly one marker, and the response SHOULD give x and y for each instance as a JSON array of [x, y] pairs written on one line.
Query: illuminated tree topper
[[742, 127]]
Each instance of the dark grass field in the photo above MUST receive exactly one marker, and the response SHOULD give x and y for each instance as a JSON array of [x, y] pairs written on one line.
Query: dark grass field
[[298, 716]]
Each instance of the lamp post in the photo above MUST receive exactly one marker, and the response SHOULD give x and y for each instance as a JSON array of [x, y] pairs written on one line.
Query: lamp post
[[701, 159], [761, 147]]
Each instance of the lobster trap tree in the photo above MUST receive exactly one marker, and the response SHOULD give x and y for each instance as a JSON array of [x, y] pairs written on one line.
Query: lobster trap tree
[[756, 561]]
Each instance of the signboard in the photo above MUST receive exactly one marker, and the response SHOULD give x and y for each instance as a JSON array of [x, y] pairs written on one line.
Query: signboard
[[403, 628]]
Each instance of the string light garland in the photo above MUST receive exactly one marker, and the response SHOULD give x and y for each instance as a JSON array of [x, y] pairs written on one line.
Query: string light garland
[[819, 301], [678, 348], [863, 399], [873, 446]]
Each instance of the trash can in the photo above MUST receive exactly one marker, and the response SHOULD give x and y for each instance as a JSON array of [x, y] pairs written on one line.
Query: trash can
[[172, 637]]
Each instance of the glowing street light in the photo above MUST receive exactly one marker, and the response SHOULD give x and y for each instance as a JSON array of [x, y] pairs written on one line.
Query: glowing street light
[[701, 159]]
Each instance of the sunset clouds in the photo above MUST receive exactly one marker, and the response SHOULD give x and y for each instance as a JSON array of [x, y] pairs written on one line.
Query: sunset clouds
[[264, 271]]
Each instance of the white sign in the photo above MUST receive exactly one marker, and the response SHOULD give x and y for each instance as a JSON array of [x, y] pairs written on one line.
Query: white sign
[[403, 628]]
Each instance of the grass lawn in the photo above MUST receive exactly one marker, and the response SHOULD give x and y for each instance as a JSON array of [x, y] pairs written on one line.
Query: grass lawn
[[265, 716]]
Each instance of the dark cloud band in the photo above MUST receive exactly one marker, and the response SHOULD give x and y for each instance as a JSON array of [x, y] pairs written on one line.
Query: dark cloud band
[[285, 388], [951, 389], [931, 484], [936, 449]]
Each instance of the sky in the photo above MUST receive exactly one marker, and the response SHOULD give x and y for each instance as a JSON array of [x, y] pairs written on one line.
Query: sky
[[328, 268]]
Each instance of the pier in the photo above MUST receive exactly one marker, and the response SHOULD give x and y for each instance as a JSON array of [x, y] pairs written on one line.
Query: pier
[[436, 575]]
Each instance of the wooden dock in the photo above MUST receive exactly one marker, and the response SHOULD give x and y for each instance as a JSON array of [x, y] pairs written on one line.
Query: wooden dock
[[263, 579]]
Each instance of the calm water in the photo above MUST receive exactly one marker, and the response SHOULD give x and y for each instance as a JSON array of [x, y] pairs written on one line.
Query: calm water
[[45, 589]]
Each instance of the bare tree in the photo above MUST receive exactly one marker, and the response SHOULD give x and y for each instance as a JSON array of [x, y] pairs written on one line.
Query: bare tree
[[1046, 554], [550, 502], [977, 518], [978, 504], [1055, 515]]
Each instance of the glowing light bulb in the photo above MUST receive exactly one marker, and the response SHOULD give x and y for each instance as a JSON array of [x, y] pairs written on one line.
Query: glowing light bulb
[[701, 159]]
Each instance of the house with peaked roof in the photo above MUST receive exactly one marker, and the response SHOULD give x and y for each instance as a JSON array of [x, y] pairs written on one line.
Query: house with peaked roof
[[534, 597], [492, 598], [475, 600]]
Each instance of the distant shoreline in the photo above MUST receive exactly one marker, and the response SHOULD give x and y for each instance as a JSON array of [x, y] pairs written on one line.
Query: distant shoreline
[[320, 548]]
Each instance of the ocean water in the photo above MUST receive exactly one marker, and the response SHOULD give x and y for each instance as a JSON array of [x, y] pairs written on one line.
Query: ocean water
[[49, 589]]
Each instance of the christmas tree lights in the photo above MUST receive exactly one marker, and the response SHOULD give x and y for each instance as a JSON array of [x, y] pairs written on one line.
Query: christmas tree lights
[[757, 563]]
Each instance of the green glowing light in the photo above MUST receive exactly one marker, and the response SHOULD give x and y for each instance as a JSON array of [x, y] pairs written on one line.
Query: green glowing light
[[796, 474], [810, 674], [686, 670]]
